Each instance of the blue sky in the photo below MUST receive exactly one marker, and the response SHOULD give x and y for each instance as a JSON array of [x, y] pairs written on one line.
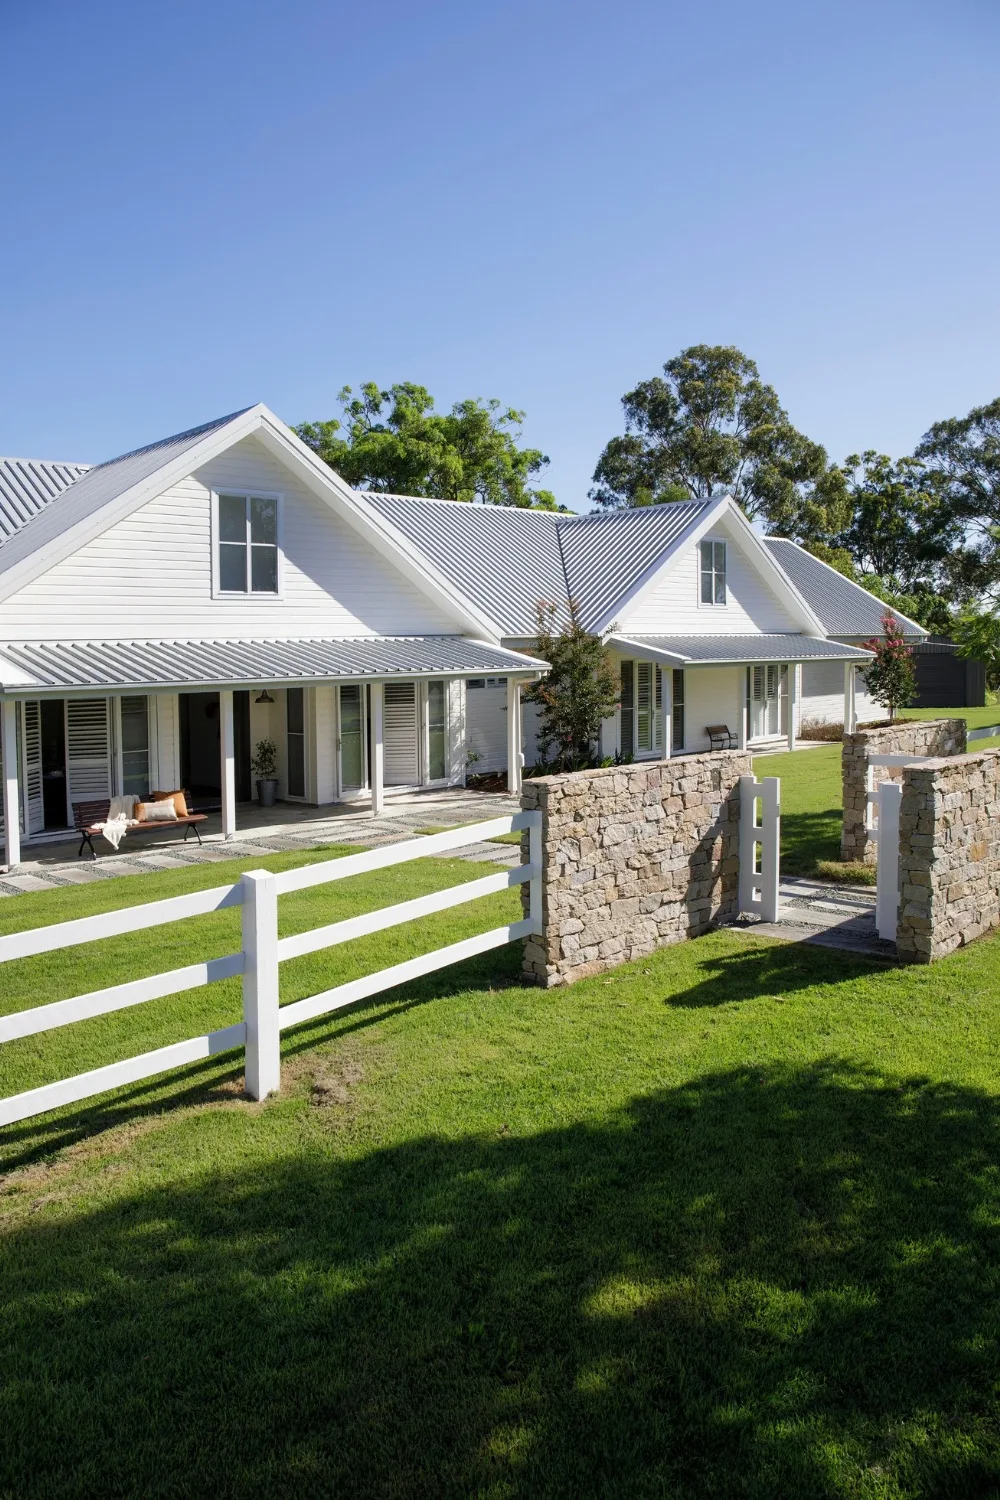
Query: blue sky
[[208, 204]]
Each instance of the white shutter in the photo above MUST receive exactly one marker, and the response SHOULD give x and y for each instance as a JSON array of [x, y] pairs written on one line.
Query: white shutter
[[402, 767], [34, 820], [88, 749], [644, 704]]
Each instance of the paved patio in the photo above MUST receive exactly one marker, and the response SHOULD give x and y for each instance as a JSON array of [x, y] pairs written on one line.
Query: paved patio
[[824, 914], [263, 831]]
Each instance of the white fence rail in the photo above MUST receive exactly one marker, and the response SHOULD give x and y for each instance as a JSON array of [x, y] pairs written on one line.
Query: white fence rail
[[760, 846], [261, 953], [986, 732]]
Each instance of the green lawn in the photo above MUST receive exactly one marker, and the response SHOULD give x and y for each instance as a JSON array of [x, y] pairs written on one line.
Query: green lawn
[[722, 1223]]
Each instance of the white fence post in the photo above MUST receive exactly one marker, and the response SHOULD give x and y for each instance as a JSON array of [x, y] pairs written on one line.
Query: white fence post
[[11, 807], [890, 798], [260, 983], [758, 889]]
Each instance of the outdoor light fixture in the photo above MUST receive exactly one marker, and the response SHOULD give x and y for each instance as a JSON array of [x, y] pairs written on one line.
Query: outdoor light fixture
[[265, 697]]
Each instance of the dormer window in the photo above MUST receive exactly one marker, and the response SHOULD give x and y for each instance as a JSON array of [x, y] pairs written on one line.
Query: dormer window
[[247, 533], [713, 572]]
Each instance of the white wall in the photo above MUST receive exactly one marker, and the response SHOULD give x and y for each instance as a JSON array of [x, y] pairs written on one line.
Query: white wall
[[823, 695], [151, 574], [712, 695], [671, 607]]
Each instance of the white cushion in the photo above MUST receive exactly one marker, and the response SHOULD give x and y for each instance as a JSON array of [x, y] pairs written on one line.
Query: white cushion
[[161, 812]]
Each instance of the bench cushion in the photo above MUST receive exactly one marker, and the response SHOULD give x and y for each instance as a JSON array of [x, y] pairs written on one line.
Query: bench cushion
[[179, 800]]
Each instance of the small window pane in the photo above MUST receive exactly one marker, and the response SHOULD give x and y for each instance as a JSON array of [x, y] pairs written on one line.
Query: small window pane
[[232, 568], [437, 767], [707, 596], [263, 520], [295, 706], [265, 570], [232, 518], [720, 588], [135, 724], [720, 557]]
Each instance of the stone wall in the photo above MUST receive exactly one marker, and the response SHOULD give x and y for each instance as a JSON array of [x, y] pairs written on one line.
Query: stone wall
[[949, 855], [917, 737], [633, 857]]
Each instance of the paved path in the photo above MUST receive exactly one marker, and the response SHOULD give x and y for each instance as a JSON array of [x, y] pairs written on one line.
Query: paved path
[[48, 866], [827, 915]]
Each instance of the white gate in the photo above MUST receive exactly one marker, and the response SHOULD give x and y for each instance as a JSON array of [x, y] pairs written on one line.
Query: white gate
[[760, 846]]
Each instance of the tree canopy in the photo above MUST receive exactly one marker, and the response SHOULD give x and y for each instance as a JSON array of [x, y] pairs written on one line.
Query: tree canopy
[[710, 426], [395, 442]]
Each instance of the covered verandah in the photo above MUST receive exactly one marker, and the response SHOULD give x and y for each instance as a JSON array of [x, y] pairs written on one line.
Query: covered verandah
[[748, 683], [357, 717]]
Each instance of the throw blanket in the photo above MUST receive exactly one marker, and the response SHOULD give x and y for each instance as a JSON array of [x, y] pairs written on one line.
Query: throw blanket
[[119, 817]]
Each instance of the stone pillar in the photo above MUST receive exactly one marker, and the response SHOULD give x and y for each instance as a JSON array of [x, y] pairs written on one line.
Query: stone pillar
[[633, 857], [918, 737]]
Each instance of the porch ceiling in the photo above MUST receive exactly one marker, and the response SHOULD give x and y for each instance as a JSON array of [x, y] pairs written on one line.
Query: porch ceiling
[[734, 650], [53, 666]]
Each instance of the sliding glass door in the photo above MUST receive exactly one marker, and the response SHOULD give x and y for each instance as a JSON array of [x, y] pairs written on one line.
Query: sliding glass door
[[353, 772]]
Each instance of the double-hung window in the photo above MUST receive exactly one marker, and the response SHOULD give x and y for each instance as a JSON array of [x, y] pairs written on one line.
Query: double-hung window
[[713, 573], [248, 544]]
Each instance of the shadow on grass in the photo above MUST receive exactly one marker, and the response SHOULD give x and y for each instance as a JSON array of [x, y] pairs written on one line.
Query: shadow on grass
[[807, 837], [766, 1283], [755, 972], [216, 1079]]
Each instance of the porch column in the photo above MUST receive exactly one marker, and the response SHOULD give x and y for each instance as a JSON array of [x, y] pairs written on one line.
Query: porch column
[[228, 750], [667, 709], [377, 691], [514, 755], [11, 810], [793, 674], [741, 707], [850, 700]]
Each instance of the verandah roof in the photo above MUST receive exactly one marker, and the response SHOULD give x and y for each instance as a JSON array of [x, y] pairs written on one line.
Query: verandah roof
[[734, 650], [51, 666]]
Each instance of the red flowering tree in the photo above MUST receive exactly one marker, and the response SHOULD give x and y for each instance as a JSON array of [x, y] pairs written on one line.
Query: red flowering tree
[[892, 677]]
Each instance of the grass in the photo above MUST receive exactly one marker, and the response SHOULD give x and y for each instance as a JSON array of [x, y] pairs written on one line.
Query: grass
[[725, 1222], [499, 838]]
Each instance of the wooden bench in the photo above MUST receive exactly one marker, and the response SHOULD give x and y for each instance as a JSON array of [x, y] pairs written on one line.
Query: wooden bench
[[721, 737], [88, 815]]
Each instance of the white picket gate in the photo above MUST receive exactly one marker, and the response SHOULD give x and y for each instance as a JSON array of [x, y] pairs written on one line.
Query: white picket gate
[[262, 951], [760, 847]]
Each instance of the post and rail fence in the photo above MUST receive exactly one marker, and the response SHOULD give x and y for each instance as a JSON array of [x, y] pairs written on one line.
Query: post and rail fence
[[760, 847], [258, 961]]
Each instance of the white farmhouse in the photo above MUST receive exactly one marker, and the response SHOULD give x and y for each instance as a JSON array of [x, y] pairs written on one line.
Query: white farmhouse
[[163, 612]]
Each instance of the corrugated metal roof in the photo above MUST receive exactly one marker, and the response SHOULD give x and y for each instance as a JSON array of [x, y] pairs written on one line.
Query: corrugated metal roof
[[27, 485], [722, 650], [97, 487], [508, 559], [606, 556], [176, 664], [842, 607], [504, 558]]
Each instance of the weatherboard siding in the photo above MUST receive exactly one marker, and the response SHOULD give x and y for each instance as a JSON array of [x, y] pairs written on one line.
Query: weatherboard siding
[[671, 606], [151, 574]]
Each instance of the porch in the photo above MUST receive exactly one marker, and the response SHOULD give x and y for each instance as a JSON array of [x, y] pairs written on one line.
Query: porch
[[345, 739]]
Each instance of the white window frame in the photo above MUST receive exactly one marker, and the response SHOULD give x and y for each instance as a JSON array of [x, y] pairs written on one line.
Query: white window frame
[[713, 541], [217, 591]]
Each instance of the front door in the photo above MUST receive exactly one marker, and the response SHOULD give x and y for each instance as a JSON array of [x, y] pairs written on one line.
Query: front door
[[351, 744], [53, 732], [766, 685]]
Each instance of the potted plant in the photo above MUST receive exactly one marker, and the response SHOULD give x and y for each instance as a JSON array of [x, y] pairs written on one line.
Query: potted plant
[[264, 764]]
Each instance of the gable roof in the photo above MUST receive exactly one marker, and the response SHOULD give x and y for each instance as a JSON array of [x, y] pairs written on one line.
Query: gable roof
[[509, 559], [27, 486], [843, 607], [97, 487]]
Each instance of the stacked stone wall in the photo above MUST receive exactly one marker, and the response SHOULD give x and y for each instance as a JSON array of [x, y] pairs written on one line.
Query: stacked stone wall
[[633, 857], [937, 737], [949, 855]]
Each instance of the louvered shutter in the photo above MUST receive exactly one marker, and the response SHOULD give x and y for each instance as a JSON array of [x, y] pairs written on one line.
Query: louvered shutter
[[644, 704], [88, 751], [34, 820], [402, 766]]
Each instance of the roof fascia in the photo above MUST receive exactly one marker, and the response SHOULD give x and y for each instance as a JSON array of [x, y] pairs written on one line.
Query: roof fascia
[[350, 504], [633, 648], [44, 558], [918, 629], [640, 648]]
